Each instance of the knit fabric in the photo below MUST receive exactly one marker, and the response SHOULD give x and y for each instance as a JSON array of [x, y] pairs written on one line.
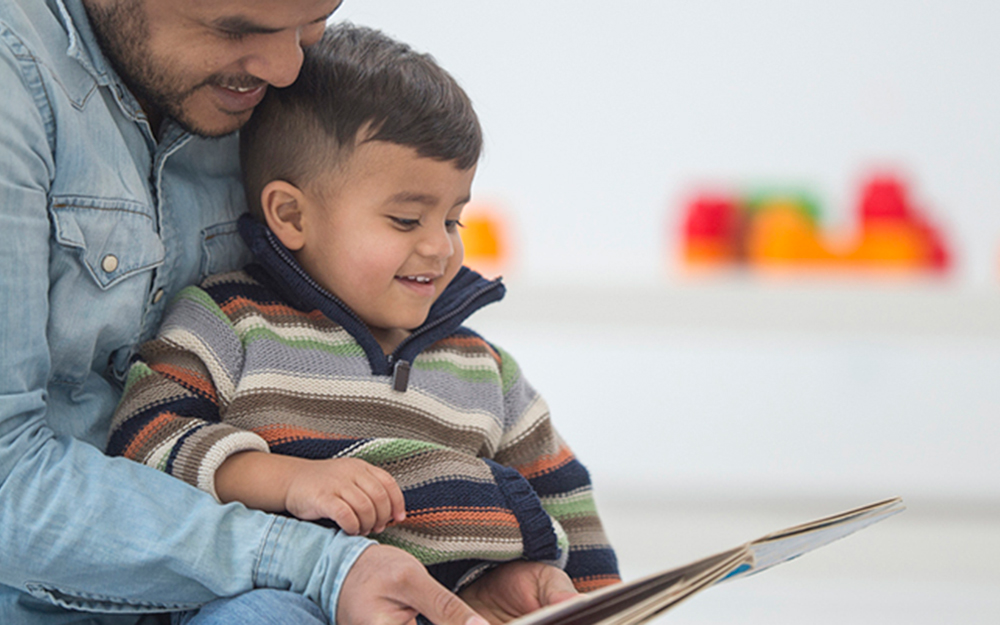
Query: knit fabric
[[485, 476]]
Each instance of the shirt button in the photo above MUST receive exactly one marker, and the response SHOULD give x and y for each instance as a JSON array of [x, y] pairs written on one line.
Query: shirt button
[[157, 296], [109, 263]]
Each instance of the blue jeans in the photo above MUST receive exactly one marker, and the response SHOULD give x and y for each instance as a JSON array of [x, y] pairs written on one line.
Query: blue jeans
[[263, 606]]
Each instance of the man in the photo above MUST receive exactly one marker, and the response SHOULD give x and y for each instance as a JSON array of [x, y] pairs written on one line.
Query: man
[[118, 187]]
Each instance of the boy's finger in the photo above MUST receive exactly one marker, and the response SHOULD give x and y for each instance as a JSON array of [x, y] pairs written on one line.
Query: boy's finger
[[396, 500], [380, 499], [364, 508], [343, 515]]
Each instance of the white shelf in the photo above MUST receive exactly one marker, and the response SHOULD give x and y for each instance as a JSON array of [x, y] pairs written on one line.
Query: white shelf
[[879, 307]]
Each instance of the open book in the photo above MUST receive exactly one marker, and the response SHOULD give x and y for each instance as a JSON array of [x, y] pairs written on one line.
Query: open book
[[638, 601]]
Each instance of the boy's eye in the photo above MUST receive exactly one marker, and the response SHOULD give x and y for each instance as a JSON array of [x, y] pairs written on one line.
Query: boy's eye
[[453, 224], [404, 223]]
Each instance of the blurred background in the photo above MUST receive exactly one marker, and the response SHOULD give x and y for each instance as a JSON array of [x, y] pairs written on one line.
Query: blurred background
[[753, 261]]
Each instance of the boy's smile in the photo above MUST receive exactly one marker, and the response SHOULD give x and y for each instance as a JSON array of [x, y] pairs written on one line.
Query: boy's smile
[[380, 231]]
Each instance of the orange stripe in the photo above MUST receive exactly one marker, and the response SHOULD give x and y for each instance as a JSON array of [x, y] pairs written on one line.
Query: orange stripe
[[278, 433], [469, 341], [188, 379], [234, 304], [461, 516], [151, 430], [546, 464], [595, 582]]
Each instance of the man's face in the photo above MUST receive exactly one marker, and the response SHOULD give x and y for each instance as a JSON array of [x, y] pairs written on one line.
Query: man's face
[[206, 64]]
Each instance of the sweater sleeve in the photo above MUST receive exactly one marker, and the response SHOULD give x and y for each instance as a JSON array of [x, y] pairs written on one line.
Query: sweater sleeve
[[169, 415], [533, 447], [464, 514]]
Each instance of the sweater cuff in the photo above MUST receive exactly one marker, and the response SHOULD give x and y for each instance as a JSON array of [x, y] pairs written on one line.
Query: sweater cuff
[[538, 534], [232, 443]]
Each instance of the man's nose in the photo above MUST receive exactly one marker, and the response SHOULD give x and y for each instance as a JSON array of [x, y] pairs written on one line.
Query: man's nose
[[277, 59]]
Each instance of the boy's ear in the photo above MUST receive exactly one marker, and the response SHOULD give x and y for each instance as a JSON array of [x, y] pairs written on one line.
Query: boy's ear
[[283, 203]]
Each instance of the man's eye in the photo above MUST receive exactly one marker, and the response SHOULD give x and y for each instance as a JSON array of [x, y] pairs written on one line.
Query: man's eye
[[233, 35], [453, 224], [405, 224]]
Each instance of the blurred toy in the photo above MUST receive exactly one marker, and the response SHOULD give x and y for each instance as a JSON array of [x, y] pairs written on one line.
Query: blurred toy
[[781, 230], [486, 239]]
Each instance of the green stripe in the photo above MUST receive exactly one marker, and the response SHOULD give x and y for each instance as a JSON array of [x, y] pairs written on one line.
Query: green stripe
[[509, 370], [202, 299], [466, 374], [346, 347], [429, 556], [138, 372], [387, 450], [565, 508]]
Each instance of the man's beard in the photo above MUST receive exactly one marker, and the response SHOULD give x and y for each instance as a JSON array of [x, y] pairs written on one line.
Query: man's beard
[[122, 31]]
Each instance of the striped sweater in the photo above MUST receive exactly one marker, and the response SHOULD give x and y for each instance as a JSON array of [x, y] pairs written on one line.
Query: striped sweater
[[265, 359]]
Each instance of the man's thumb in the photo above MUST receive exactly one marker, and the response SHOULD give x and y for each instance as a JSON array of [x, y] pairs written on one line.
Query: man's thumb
[[444, 608]]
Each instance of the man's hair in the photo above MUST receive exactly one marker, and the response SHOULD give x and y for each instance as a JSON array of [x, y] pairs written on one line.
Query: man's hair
[[354, 80]]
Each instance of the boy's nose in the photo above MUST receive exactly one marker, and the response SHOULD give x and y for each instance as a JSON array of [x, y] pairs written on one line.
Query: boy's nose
[[436, 244]]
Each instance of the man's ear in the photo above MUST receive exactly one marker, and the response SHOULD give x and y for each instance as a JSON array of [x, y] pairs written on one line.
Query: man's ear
[[283, 203]]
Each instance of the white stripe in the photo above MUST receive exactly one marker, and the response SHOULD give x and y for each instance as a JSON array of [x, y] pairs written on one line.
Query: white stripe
[[482, 422]]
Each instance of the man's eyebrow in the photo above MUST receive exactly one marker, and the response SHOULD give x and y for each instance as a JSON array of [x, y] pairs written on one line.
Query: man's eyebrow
[[245, 26]]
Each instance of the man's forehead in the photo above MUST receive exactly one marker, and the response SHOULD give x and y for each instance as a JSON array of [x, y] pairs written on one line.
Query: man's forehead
[[263, 14]]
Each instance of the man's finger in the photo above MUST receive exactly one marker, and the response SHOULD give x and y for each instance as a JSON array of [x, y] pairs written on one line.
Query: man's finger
[[442, 607]]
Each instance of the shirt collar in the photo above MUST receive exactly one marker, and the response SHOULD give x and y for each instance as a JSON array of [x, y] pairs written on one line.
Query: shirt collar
[[83, 44]]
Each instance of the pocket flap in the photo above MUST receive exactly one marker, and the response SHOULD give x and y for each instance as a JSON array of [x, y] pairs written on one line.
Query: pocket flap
[[114, 238]]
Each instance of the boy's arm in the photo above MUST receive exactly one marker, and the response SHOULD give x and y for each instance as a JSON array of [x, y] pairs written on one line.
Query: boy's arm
[[533, 447], [464, 514], [169, 415]]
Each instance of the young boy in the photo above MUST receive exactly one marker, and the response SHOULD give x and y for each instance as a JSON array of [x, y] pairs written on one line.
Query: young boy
[[332, 379]]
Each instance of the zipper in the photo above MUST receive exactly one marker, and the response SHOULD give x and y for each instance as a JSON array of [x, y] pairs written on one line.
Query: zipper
[[401, 368]]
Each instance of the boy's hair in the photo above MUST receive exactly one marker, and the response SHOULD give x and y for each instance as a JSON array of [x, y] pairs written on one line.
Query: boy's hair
[[355, 79]]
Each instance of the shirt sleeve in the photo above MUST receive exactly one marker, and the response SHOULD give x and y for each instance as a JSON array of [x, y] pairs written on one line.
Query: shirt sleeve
[[80, 529], [533, 447], [169, 416]]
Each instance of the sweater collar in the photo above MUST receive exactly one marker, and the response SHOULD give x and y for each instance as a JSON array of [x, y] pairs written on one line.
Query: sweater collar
[[467, 293]]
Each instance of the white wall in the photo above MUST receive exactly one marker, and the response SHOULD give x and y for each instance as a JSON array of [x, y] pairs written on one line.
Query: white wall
[[601, 116]]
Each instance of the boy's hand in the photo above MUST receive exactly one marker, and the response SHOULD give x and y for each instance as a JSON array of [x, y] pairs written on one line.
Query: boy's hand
[[357, 496], [514, 589]]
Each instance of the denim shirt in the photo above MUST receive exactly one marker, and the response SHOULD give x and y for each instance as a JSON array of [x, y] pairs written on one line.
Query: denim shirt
[[100, 224]]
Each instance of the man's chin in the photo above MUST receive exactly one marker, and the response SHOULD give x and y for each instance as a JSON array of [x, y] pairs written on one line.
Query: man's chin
[[206, 119], [223, 125]]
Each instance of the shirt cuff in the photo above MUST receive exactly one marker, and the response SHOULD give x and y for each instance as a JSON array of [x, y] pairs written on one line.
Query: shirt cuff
[[309, 559]]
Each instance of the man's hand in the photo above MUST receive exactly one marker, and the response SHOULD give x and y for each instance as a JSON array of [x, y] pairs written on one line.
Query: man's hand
[[514, 589], [387, 586]]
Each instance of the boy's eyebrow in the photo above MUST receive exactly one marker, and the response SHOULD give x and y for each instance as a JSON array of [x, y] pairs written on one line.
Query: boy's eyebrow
[[243, 25], [407, 197]]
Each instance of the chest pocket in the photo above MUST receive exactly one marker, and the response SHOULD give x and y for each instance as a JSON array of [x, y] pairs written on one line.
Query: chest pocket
[[113, 238]]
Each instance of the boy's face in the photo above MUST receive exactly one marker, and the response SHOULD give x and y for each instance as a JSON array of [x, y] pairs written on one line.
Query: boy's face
[[381, 233]]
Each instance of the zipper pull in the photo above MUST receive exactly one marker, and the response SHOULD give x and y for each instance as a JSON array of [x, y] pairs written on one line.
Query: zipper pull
[[400, 376]]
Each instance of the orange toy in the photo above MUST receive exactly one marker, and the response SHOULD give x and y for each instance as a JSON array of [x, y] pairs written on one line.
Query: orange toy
[[783, 232], [485, 239]]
